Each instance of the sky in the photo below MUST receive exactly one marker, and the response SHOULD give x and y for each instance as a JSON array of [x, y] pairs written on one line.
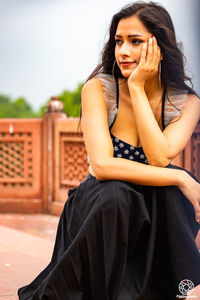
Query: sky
[[48, 46]]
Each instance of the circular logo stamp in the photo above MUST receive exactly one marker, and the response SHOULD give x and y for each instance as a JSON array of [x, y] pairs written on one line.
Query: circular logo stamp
[[185, 286]]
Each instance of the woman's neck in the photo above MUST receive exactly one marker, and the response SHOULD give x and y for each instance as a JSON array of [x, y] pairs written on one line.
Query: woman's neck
[[152, 88]]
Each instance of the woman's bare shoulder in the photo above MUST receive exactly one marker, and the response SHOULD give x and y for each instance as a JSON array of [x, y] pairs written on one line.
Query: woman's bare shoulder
[[103, 82], [90, 84], [92, 92]]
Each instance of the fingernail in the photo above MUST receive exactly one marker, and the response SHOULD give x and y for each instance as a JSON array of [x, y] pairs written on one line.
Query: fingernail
[[150, 40]]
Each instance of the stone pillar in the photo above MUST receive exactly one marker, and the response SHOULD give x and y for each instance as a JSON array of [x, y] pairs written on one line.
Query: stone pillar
[[54, 112]]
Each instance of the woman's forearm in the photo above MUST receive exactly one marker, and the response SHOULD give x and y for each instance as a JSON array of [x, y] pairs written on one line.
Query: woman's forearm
[[154, 143], [138, 173]]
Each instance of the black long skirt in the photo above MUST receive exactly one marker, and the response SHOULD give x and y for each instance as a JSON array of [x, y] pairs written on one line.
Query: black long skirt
[[120, 241]]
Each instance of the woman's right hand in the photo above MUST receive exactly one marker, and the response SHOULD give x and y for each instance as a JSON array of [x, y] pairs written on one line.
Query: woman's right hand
[[191, 189]]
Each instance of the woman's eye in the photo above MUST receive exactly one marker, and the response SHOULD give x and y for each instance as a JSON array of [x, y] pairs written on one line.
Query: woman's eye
[[119, 42], [136, 41]]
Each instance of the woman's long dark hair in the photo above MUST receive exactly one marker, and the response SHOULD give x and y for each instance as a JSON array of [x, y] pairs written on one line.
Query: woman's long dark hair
[[158, 22]]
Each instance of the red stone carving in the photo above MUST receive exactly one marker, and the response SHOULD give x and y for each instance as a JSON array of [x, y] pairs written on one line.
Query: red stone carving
[[73, 164], [41, 159], [196, 154], [20, 165], [16, 159]]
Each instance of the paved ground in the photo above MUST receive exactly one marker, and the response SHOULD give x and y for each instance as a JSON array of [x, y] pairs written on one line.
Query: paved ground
[[26, 245]]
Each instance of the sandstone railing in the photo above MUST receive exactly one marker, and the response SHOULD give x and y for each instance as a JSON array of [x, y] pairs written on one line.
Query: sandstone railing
[[41, 159]]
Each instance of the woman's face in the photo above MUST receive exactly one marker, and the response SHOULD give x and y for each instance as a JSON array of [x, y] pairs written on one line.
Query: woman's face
[[130, 37]]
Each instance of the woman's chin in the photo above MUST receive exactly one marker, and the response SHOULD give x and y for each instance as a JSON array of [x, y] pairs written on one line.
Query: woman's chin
[[126, 74]]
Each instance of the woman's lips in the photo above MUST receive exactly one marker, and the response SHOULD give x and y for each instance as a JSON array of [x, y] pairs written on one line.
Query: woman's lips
[[126, 64]]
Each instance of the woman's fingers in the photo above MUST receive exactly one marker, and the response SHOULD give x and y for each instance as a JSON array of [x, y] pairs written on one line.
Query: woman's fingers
[[157, 56], [153, 55], [149, 60], [150, 51], [143, 54]]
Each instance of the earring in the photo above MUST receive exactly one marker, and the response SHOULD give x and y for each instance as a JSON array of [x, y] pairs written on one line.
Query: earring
[[113, 68], [159, 79]]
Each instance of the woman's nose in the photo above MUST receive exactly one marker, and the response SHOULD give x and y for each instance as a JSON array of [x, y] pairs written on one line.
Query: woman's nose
[[124, 49]]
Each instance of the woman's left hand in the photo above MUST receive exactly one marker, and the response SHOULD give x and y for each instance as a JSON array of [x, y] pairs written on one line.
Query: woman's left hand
[[148, 65]]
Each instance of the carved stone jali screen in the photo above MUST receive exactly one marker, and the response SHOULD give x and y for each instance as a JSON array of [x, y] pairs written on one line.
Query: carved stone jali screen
[[71, 165], [16, 163], [189, 158], [41, 159], [20, 165], [195, 141]]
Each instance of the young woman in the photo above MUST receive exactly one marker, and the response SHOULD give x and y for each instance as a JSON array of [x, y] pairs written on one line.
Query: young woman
[[127, 232]]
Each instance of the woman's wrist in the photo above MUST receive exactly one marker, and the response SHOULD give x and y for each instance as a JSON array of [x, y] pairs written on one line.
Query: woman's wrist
[[182, 177], [137, 90], [136, 86]]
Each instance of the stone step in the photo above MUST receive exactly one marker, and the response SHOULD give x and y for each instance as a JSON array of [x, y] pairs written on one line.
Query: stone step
[[22, 257]]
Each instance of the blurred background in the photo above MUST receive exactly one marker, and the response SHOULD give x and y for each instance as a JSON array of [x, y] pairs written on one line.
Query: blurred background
[[50, 47]]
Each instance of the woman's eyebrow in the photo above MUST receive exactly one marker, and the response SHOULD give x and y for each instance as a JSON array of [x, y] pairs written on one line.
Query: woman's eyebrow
[[130, 35]]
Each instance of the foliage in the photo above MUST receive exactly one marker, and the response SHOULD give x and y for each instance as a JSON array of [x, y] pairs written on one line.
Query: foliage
[[71, 101], [20, 108], [15, 109]]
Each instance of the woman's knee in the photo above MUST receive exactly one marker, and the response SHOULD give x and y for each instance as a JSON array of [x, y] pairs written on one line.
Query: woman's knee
[[114, 193]]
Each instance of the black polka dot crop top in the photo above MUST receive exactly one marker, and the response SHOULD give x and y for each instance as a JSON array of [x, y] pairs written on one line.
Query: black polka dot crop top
[[123, 149], [172, 99]]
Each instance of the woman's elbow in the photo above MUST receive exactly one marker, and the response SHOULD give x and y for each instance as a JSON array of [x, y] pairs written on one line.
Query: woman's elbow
[[100, 168], [162, 162]]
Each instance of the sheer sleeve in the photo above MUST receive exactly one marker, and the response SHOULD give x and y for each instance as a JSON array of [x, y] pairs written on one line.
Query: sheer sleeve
[[174, 103], [109, 88]]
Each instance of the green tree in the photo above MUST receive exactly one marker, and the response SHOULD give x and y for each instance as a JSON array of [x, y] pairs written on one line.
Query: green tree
[[15, 109], [5, 107], [23, 109], [72, 101], [20, 108]]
